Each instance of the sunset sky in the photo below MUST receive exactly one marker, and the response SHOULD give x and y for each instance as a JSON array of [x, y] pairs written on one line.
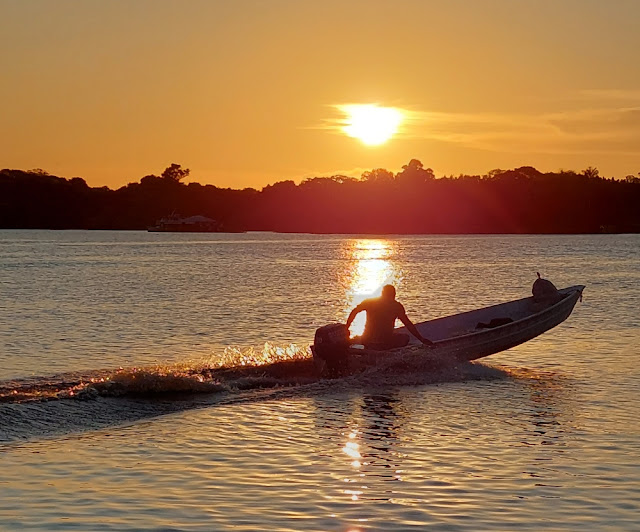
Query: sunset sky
[[247, 92]]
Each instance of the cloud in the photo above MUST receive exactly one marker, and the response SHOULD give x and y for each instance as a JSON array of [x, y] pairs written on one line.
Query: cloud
[[611, 95], [589, 130]]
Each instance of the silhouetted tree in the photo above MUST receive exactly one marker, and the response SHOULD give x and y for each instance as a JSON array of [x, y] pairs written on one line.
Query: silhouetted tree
[[493, 173], [280, 186], [175, 172], [378, 175], [414, 173], [591, 172], [38, 171]]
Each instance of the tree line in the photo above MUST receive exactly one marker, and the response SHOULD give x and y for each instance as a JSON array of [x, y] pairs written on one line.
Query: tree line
[[413, 200]]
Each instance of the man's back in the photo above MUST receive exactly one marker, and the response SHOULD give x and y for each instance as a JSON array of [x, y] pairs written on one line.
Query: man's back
[[381, 318]]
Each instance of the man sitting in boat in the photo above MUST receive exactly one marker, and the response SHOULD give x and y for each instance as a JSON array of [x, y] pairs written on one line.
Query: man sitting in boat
[[382, 313]]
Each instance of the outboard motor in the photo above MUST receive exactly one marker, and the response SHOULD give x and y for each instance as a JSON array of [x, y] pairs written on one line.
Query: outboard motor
[[330, 345]]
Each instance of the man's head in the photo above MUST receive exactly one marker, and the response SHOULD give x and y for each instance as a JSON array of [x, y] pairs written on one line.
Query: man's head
[[388, 291]]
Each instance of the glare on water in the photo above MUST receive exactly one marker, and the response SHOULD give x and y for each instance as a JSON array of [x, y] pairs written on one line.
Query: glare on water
[[371, 266]]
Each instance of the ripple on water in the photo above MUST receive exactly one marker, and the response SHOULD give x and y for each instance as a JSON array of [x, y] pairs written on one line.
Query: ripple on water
[[454, 455]]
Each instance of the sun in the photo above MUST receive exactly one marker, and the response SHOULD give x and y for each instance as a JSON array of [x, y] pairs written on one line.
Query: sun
[[369, 123]]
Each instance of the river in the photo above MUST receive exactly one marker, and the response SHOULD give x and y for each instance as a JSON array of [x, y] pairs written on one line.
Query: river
[[544, 435]]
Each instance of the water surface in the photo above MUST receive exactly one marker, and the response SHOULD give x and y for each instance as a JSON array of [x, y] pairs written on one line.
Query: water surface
[[542, 435]]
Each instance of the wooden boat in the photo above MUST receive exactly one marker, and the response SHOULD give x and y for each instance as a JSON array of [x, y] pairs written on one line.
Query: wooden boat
[[478, 333]]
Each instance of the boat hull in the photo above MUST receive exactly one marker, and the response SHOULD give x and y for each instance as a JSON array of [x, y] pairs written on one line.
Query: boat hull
[[490, 341]]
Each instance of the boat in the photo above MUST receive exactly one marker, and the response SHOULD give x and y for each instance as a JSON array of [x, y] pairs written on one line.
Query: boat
[[192, 224], [475, 334]]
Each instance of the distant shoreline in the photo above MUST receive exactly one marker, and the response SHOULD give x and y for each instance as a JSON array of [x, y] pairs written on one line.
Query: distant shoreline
[[411, 202]]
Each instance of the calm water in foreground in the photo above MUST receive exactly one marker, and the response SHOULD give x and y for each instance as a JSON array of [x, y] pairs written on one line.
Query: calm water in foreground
[[541, 436]]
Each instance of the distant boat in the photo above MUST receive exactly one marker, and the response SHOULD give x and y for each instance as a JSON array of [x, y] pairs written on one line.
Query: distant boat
[[192, 224], [469, 335]]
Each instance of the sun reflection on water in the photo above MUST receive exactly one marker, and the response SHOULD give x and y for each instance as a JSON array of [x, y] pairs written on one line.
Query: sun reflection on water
[[351, 448], [371, 267]]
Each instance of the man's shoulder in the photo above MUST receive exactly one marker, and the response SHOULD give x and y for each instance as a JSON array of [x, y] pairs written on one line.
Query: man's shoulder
[[379, 303], [367, 302]]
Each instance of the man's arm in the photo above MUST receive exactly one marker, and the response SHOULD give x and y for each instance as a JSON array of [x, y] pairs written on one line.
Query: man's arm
[[412, 328], [353, 315]]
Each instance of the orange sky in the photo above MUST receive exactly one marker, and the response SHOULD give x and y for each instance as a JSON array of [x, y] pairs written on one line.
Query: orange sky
[[244, 92]]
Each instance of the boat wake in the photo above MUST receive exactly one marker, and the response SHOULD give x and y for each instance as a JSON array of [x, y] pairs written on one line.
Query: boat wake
[[233, 369], [38, 407]]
